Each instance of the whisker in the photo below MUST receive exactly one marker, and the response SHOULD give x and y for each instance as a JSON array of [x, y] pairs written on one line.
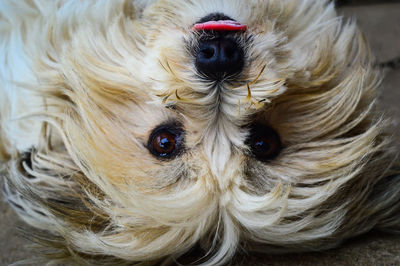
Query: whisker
[[248, 98], [259, 75]]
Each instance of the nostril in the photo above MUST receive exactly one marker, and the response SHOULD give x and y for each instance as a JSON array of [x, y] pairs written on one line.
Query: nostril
[[208, 52], [229, 52]]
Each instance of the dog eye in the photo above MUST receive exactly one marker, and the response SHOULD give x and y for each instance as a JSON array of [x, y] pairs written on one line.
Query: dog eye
[[166, 141], [264, 142]]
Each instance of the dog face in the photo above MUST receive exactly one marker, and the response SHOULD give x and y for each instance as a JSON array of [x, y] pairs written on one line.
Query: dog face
[[157, 134]]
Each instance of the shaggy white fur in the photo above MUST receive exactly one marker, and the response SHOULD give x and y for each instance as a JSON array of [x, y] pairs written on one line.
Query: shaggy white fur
[[84, 84]]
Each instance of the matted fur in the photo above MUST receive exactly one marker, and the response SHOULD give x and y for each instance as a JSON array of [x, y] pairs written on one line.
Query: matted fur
[[84, 83]]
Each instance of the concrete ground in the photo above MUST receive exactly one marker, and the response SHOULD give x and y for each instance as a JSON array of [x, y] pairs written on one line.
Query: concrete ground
[[381, 24]]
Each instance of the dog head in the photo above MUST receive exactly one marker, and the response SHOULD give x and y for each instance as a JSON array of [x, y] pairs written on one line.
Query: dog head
[[172, 123]]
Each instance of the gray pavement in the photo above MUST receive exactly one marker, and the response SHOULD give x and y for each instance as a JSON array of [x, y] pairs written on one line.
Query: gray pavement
[[381, 25]]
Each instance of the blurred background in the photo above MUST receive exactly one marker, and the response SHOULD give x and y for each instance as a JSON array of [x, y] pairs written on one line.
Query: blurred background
[[380, 22], [340, 3]]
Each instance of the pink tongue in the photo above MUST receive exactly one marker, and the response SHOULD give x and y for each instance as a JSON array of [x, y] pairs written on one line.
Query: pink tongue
[[220, 25]]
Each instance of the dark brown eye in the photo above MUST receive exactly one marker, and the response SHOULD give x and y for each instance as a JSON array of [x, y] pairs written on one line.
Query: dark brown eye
[[264, 142], [166, 141]]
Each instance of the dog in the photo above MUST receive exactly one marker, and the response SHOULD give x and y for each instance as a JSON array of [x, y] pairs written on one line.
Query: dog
[[134, 131]]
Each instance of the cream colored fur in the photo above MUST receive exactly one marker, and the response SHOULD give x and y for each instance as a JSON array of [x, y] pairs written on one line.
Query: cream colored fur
[[83, 84]]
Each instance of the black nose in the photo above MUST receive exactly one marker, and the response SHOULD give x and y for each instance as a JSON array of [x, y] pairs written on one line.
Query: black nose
[[219, 58]]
